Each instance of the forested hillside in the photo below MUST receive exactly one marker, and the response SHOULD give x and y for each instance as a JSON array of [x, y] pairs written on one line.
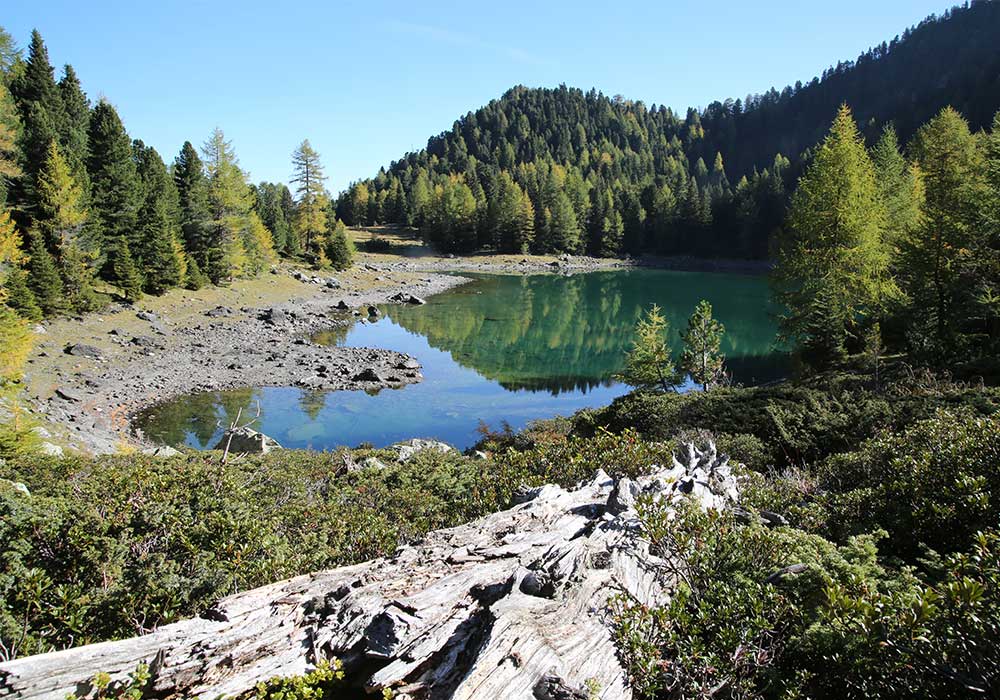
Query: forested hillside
[[563, 170]]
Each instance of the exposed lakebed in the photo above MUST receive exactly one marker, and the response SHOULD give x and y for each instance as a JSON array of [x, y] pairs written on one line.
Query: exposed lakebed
[[502, 348]]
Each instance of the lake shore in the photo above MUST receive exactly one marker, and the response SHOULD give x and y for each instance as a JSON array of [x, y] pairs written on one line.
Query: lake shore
[[89, 376]]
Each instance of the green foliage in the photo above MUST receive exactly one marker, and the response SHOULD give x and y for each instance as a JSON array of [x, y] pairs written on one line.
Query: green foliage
[[104, 688], [649, 364], [116, 191], [833, 263], [935, 484], [339, 247], [701, 357], [318, 684], [43, 277], [19, 295], [124, 272]]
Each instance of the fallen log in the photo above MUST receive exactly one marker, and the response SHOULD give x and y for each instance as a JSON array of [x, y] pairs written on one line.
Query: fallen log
[[513, 605]]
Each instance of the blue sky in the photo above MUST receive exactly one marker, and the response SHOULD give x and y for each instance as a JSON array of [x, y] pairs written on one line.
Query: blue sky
[[368, 81]]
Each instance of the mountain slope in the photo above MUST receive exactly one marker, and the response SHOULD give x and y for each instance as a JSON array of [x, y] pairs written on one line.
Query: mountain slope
[[563, 170]]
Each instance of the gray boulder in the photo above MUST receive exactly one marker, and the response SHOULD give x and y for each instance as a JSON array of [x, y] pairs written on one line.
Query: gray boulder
[[247, 440], [406, 450], [81, 350]]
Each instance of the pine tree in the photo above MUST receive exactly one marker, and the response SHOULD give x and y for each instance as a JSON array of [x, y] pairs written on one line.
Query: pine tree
[[43, 277], [125, 274], [702, 357], [155, 250], [649, 364], [293, 244], [116, 192], [834, 244], [311, 201], [40, 103], [19, 295], [78, 279], [339, 248], [192, 190], [73, 136]]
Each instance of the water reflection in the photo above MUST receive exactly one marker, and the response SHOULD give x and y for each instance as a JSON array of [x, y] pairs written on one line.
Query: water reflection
[[502, 348]]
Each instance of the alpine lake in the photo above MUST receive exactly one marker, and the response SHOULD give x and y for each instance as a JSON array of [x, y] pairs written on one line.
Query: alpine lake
[[501, 349]]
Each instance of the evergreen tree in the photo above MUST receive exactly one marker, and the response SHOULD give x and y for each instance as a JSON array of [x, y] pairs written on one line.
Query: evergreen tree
[[268, 207], [155, 250], [19, 296], [986, 255], [612, 233], [43, 277], [116, 192], [192, 191], [194, 279], [257, 245], [10, 133], [702, 356], [649, 364], [40, 103], [293, 244], [339, 248], [73, 137], [311, 204], [564, 230], [834, 244], [78, 279], [937, 261], [124, 272]]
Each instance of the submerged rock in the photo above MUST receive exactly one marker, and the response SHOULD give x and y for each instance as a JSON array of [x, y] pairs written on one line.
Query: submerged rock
[[247, 440]]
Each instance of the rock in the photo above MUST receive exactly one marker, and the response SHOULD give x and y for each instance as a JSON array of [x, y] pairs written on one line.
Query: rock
[[41, 432], [274, 316], [50, 450], [373, 463], [81, 350], [148, 316], [247, 440], [480, 455], [373, 312], [512, 605], [39, 329], [554, 263], [408, 363], [300, 275], [369, 374], [220, 312], [407, 298], [311, 382], [333, 283], [406, 450], [15, 486], [158, 328], [342, 305], [161, 451], [68, 394], [144, 341]]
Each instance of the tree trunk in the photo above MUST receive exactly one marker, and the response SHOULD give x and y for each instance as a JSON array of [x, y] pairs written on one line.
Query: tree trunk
[[513, 605]]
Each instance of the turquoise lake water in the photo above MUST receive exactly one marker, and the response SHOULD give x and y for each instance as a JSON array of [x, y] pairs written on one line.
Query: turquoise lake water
[[502, 348]]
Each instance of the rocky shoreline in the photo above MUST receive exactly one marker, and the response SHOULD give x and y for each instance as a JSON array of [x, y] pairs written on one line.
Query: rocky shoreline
[[92, 403]]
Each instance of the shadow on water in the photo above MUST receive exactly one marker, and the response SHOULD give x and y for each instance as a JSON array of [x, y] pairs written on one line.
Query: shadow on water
[[501, 348]]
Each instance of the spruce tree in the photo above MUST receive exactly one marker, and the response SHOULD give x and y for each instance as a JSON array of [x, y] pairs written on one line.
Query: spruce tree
[[195, 279], [900, 186], [116, 192], [124, 272], [41, 105], [73, 136], [192, 191], [43, 277], [834, 245], [78, 279], [702, 355]]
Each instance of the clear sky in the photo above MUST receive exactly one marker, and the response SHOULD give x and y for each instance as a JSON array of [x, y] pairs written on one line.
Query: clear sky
[[368, 81]]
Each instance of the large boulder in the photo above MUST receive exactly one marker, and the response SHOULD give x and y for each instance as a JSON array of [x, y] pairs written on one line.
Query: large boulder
[[241, 440], [406, 450], [82, 350]]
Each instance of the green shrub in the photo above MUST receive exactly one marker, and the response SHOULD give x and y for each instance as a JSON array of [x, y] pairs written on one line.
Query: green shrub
[[934, 484]]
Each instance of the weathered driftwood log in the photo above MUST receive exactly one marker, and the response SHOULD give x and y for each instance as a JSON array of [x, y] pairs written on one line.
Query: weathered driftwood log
[[513, 605]]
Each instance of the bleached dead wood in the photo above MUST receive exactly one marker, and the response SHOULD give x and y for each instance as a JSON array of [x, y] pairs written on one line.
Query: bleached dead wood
[[513, 605]]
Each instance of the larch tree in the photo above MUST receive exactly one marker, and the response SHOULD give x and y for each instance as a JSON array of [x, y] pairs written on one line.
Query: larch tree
[[230, 203], [939, 260], [311, 200], [702, 354], [649, 364], [901, 187], [987, 252], [833, 264]]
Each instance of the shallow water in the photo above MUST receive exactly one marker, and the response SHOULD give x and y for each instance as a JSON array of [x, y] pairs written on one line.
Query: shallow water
[[503, 348]]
